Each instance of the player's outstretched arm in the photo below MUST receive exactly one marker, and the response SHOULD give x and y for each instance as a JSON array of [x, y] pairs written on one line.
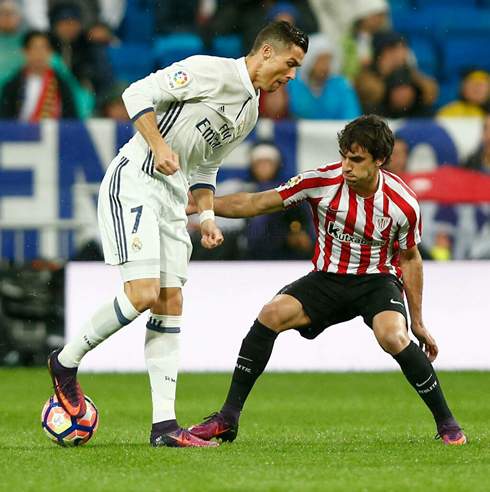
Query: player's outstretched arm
[[411, 265], [243, 205], [210, 232]]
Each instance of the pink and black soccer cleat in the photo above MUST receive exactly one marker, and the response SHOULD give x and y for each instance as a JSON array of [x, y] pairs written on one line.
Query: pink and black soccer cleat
[[66, 387], [180, 438], [451, 434], [215, 425]]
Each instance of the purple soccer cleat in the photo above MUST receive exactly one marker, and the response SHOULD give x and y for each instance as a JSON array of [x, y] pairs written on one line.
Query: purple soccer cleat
[[215, 425], [180, 438], [66, 386], [451, 434]]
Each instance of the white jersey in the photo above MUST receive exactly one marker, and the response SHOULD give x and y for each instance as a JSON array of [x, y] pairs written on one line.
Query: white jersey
[[204, 105], [357, 235]]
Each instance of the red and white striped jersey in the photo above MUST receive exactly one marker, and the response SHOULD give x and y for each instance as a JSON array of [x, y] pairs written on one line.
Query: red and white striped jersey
[[357, 235]]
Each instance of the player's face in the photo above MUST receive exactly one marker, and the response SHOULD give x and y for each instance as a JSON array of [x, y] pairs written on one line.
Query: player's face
[[279, 68], [359, 169]]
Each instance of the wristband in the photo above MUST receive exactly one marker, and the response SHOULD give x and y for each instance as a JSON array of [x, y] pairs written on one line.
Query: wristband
[[207, 214]]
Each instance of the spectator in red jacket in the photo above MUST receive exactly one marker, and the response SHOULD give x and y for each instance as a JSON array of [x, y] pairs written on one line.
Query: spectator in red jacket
[[36, 91]]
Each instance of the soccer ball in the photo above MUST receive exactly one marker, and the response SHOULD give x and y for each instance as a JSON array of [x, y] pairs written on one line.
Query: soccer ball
[[66, 430]]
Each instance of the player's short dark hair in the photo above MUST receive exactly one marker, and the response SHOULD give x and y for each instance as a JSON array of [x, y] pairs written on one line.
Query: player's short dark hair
[[280, 35], [371, 133], [30, 35]]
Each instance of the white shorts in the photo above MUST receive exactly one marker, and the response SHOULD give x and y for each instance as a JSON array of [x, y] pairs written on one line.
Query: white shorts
[[142, 224]]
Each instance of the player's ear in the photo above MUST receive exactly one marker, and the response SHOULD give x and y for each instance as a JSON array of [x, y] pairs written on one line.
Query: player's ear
[[267, 52], [380, 162]]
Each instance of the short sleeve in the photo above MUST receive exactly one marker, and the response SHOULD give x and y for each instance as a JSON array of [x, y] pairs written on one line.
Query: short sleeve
[[293, 191], [189, 79], [410, 232]]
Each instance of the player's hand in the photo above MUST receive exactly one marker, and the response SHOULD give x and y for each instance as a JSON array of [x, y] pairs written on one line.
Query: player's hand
[[166, 161], [426, 340], [211, 234]]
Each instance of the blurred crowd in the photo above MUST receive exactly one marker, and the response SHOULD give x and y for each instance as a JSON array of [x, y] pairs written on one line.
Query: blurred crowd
[[73, 59]]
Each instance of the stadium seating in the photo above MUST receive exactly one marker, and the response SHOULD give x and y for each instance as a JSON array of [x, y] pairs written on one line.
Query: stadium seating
[[401, 5], [464, 52], [416, 23], [229, 46], [423, 4], [138, 27], [448, 92], [131, 61], [463, 22], [426, 55], [174, 47]]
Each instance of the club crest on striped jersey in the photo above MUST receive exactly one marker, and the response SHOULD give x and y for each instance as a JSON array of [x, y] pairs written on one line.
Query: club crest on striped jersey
[[137, 245], [294, 181], [381, 223], [177, 79]]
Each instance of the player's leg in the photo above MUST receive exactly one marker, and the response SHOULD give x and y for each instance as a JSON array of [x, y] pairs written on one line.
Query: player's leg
[[162, 352], [110, 317], [127, 225], [162, 344], [284, 312], [390, 329]]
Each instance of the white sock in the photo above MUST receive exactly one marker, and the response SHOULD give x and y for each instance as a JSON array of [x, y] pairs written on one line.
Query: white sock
[[162, 351], [109, 318]]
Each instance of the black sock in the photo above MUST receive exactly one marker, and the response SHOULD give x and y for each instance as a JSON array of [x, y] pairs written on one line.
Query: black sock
[[421, 375], [254, 354], [160, 428]]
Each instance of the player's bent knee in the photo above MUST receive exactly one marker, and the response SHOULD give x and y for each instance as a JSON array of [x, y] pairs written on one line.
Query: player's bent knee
[[278, 314], [169, 302], [270, 317], [393, 341], [143, 293]]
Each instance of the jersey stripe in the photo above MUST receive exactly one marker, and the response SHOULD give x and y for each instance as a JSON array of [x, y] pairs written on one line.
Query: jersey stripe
[[348, 229], [368, 235], [330, 217], [175, 115], [168, 126], [147, 164], [408, 211], [400, 182], [308, 184], [316, 222], [117, 211], [385, 234]]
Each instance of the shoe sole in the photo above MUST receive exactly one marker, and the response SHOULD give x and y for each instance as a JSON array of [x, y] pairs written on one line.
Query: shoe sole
[[170, 442], [459, 442]]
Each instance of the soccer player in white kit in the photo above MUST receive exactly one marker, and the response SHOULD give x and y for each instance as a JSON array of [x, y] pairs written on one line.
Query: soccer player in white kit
[[189, 117], [366, 260]]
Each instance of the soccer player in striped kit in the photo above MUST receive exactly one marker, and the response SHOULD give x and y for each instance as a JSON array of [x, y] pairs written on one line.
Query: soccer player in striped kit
[[366, 261], [189, 117]]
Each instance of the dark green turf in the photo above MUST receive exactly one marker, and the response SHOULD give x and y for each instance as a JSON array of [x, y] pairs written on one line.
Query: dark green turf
[[299, 432]]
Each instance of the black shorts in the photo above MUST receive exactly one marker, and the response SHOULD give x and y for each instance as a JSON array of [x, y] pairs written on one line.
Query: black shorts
[[331, 298]]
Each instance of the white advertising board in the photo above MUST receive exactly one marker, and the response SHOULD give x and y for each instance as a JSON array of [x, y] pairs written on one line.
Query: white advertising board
[[221, 301]]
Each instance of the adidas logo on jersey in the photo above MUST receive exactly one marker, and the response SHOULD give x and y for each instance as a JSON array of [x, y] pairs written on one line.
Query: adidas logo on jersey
[[221, 110]]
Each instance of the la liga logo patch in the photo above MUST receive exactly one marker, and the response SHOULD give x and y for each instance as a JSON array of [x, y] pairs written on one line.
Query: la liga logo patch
[[180, 77], [294, 181], [177, 79]]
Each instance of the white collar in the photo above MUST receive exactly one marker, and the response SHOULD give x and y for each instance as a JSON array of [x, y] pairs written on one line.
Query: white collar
[[245, 76]]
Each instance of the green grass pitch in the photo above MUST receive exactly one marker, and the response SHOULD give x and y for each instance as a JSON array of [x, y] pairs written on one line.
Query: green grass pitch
[[299, 432]]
